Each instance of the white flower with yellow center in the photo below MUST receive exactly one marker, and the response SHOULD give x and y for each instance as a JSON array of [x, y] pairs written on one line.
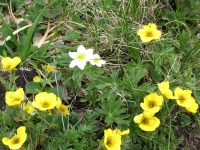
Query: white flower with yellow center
[[96, 60], [80, 57]]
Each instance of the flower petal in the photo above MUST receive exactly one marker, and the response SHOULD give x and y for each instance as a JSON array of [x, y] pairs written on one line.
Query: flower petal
[[125, 132], [5, 141], [21, 130], [89, 53], [81, 65], [81, 49], [72, 55], [73, 64]]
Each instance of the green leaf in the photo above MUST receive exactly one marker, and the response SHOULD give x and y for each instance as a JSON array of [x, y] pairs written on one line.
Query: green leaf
[[71, 35], [29, 38], [40, 2], [106, 95], [174, 62], [33, 87], [56, 10], [54, 76], [105, 80], [9, 30], [46, 14], [57, 91], [113, 111], [5, 33], [101, 86]]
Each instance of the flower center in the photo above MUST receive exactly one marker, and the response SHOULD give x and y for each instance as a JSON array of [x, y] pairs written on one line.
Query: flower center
[[96, 59], [81, 56], [62, 109], [17, 99], [145, 121], [15, 140], [181, 97], [7, 66], [149, 34], [45, 104], [110, 141], [151, 104]]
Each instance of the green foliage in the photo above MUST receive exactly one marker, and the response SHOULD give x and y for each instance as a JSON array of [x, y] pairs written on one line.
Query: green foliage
[[33, 87], [113, 112]]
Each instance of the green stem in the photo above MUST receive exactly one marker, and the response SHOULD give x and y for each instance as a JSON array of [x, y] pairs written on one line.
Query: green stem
[[30, 133], [145, 137], [12, 78], [170, 128]]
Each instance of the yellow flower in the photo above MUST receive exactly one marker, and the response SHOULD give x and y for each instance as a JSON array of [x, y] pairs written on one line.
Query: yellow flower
[[14, 98], [182, 96], [17, 140], [29, 108], [9, 64], [149, 33], [184, 99], [164, 89], [112, 140], [147, 121], [44, 101], [48, 68], [192, 106], [36, 79], [62, 108], [152, 103]]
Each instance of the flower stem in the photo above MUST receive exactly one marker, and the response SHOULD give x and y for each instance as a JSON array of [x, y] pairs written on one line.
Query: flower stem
[[29, 133], [170, 128]]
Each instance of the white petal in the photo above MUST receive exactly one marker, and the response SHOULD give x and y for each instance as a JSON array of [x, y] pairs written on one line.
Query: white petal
[[96, 56], [92, 62], [81, 49], [72, 55], [73, 64], [89, 53], [102, 62], [81, 65], [98, 64]]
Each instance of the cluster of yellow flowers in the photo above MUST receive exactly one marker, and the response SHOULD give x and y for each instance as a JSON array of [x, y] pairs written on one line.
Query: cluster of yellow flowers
[[183, 97], [112, 138], [153, 102], [43, 101], [146, 120]]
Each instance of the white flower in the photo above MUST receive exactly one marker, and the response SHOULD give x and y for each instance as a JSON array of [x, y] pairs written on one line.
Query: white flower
[[80, 57], [95, 60]]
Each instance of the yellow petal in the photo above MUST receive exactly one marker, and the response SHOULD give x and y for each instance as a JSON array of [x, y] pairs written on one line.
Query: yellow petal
[[138, 118], [5, 141], [59, 102], [36, 79], [125, 132], [21, 130]]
